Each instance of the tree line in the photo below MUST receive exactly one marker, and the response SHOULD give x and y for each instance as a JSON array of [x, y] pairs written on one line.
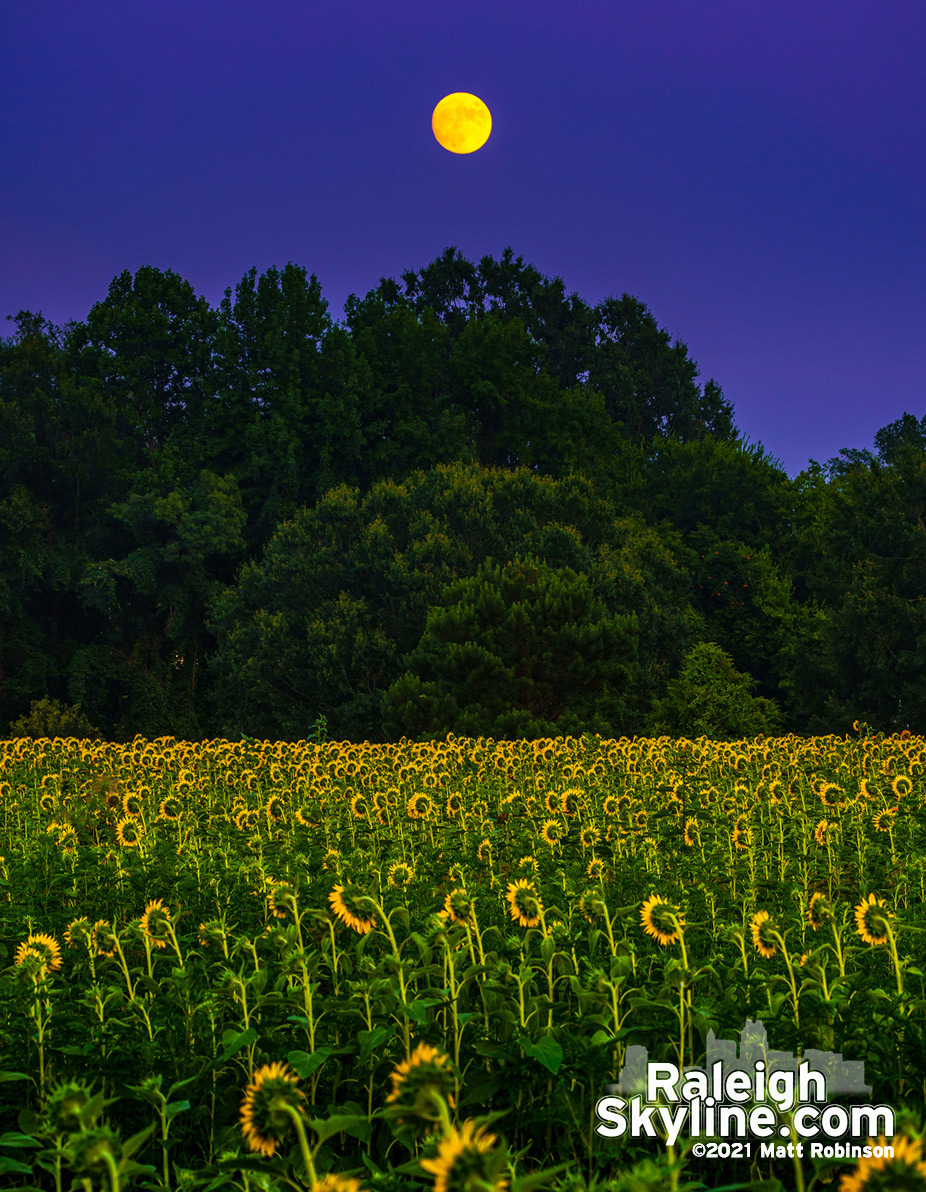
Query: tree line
[[477, 505]]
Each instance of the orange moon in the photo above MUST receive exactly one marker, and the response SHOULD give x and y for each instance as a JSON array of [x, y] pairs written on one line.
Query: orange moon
[[461, 122]]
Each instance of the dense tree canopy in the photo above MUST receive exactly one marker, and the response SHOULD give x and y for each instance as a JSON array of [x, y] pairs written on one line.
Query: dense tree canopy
[[240, 520]]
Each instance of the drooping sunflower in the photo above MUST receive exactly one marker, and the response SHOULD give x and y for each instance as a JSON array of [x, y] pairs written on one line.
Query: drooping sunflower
[[484, 851], [132, 805], [400, 874], [871, 921], [524, 904], [44, 946], [170, 809], [128, 832], [465, 1159], [589, 836], [595, 869], [661, 920], [275, 810], [829, 794], [415, 1082], [552, 832], [458, 907], [104, 938], [905, 1172], [419, 806], [79, 932], [882, 821], [359, 807], [352, 907], [155, 923], [902, 785], [337, 1183], [691, 826], [819, 911], [761, 927], [265, 1121]]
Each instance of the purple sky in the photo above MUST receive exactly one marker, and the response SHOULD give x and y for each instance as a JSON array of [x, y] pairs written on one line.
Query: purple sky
[[752, 170]]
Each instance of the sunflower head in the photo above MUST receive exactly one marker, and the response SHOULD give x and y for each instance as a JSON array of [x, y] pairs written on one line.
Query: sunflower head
[[128, 832], [337, 1183], [763, 931], [458, 907], [65, 1103], [400, 874], [595, 869], [819, 911], [552, 832], [592, 906], [872, 920], [524, 903], [661, 920], [691, 830], [282, 898], [418, 1082], [353, 907], [265, 1116], [465, 1159], [132, 805], [79, 932], [170, 809], [45, 947], [905, 1172], [104, 938], [156, 922]]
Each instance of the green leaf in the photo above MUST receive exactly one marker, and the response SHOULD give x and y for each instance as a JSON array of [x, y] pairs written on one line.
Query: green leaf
[[356, 1125], [305, 1063], [546, 1051]]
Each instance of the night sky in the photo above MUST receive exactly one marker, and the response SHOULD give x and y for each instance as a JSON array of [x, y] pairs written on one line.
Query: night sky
[[752, 170]]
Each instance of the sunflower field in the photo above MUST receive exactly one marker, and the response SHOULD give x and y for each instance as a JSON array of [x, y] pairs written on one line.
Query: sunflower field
[[347, 967]]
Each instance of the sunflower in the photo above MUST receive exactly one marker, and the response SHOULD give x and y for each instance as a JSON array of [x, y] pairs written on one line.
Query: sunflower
[[156, 922], [902, 785], [46, 947], [337, 1183], [419, 806], [77, 932], [264, 1116], [454, 805], [170, 809], [821, 830], [65, 1102], [527, 864], [690, 825], [465, 1159], [484, 851], [400, 874], [661, 920], [458, 907], [741, 835], [589, 836], [353, 908], [829, 794], [247, 819], [818, 911], [762, 927], [331, 860], [132, 805], [611, 806], [595, 869], [359, 807], [552, 832], [524, 903], [417, 1080], [275, 810], [870, 921], [905, 1172], [104, 938], [282, 898], [128, 833], [552, 803], [882, 821]]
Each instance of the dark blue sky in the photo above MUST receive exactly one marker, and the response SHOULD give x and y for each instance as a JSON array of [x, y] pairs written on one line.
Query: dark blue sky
[[752, 171]]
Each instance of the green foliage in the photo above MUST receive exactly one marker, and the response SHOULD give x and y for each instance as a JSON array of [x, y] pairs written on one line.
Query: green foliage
[[520, 650], [709, 698], [49, 718]]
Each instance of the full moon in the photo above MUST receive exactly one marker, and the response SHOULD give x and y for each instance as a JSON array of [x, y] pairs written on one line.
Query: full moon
[[461, 122]]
